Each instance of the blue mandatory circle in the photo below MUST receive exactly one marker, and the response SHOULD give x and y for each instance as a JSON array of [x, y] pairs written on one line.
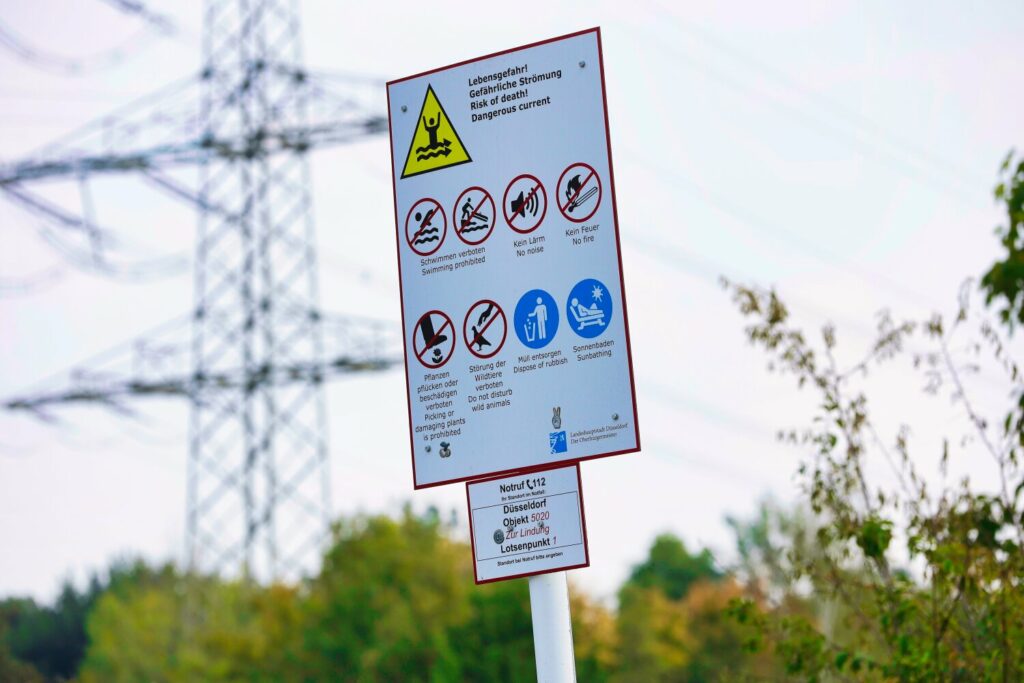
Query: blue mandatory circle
[[536, 319], [588, 310]]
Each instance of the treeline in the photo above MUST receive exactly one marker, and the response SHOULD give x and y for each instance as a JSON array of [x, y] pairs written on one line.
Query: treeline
[[904, 577], [394, 601]]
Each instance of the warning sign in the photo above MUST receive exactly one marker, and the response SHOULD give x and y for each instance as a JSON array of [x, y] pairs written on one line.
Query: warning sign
[[527, 524], [435, 144], [530, 364]]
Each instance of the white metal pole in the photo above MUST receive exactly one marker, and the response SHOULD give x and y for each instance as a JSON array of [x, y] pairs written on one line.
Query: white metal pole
[[552, 628]]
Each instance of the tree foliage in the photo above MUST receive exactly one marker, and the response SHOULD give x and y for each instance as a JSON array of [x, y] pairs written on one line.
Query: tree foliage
[[907, 577], [1003, 284], [912, 583], [672, 569], [52, 639]]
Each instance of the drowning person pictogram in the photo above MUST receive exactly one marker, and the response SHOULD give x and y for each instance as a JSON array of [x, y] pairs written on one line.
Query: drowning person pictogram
[[435, 143]]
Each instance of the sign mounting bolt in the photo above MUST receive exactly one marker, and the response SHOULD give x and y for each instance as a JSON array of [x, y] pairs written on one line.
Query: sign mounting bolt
[[404, 108], [583, 64]]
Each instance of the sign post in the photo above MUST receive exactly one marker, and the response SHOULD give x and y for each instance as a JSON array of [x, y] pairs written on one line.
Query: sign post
[[517, 350], [552, 628]]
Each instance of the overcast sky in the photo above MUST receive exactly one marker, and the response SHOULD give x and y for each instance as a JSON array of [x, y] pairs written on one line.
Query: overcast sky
[[843, 152]]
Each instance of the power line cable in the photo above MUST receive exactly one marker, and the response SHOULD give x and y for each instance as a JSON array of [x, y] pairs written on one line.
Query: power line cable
[[827, 125], [161, 22], [762, 229], [834, 107], [32, 284], [74, 66]]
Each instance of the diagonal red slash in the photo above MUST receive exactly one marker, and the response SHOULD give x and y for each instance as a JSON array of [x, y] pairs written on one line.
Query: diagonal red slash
[[423, 225], [522, 207], [578, 190], [486, 325], [437, 334], [463, 229]]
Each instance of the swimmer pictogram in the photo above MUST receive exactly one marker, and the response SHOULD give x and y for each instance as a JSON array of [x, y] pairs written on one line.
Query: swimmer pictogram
[[426, 226]]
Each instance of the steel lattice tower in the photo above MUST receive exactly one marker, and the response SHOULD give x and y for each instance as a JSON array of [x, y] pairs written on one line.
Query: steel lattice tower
[[258, 489], [258, 494]]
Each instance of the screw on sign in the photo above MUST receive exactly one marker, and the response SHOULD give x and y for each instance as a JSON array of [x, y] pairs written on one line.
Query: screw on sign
[[579, 192], [426, 226], [474, 215], [525, 203], [485, 328], [433, 339]]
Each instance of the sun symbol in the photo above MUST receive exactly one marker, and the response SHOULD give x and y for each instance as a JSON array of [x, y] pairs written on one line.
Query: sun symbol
[[597, 293]]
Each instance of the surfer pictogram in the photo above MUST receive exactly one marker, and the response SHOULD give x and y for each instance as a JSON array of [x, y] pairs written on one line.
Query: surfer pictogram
[[474, 215], [435, 143]]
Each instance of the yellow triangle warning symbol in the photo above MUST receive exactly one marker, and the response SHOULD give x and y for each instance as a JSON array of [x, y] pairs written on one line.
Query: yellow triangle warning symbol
[[435, 144]]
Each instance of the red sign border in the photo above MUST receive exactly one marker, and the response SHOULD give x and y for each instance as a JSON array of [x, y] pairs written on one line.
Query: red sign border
[[618, 244], [465, 337], [600, 191], [494, 220], [530, 470]]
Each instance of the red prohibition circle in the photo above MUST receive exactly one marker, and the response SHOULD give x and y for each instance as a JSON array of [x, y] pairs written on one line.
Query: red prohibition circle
[[426, 343], [564, 210], [466, 327], [412, 237], [538, 188], [456, 211]]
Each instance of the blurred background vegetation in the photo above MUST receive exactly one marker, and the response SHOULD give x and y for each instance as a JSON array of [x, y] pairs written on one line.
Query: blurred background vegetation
[[914, 578], [394, 601]]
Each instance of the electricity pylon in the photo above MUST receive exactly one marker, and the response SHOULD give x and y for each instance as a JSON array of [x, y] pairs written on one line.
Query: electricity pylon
[[258, 485]]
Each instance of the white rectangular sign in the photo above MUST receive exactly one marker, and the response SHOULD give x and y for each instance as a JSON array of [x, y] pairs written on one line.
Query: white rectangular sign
[[527, 524], [516, 339]]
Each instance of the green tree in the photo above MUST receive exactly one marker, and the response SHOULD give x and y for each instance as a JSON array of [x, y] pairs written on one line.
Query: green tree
[[949, 603], [1004, 282], [169, 627], [11, 669], [497, 640], [672, 624], [394, 601], [387, 600], [670, 568], [53, 638]]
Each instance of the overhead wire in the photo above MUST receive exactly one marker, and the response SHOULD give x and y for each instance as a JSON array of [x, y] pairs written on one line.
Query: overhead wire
[[835, 108], [74, 66], [922, 172], [163, 23], [32, 284]]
